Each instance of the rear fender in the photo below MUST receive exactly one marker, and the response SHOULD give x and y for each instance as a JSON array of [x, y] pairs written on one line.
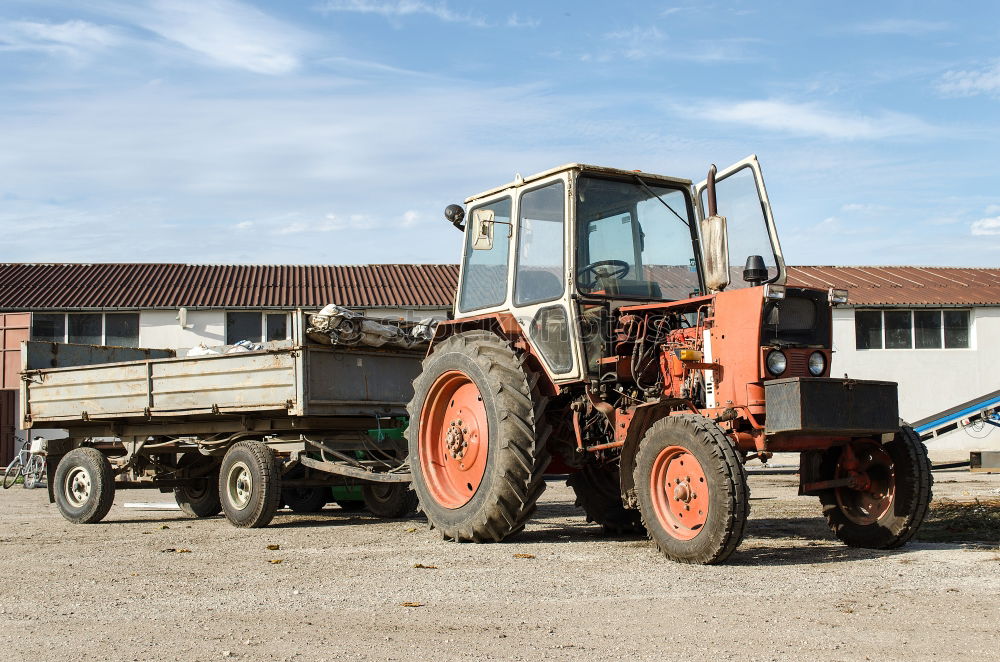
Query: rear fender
[[505, 326]]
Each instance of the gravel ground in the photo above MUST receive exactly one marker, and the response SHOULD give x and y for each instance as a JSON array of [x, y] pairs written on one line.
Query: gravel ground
[[148, 585]]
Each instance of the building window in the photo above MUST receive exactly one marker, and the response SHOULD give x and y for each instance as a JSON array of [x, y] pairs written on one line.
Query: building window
[[912, 329], [121, 329], [117, 329], [255, 326], [48, 327]]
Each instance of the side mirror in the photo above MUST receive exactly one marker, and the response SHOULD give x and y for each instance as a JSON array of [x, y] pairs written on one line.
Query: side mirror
[[715, 249], [482, 229]]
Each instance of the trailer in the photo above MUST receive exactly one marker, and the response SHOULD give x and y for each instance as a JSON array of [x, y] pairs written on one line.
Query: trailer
[[240, 432]]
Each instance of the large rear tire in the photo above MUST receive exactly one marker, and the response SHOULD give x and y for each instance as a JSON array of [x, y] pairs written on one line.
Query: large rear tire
[[889, 511], [598, 492], [84, 486], [476, 458], [250, 484], [692, 490]]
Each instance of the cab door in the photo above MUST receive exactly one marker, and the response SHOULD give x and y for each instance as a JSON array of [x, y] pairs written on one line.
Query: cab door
[[742, 199]]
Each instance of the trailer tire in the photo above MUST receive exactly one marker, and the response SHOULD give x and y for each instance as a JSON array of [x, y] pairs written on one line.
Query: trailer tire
[[84, 486], [861, 519], [475, 383], [250, 484], [598, 492], [692, 489], [390, 500], [306, 499], [200, 498]]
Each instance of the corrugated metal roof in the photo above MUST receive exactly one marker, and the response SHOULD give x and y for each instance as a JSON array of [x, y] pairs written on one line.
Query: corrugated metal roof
[[158, 286], [906, 286]]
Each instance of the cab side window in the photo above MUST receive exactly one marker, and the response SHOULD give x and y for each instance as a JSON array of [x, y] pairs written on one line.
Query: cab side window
[[485, 277], [540, 245]]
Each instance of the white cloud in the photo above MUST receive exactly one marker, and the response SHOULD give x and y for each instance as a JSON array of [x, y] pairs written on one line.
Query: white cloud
[[903, 26], [810, 119], [402, 8], [993, 209], [228, 32], [986, 227], [74, 38], [971, 83], [515, 21]]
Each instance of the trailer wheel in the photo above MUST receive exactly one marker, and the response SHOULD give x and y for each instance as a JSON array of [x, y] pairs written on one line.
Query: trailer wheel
[[476, 458], [84, 486], [249, 484], [389, 500], [200, 498], [305, 499], [598, 492], [692, 490], [890, 509]]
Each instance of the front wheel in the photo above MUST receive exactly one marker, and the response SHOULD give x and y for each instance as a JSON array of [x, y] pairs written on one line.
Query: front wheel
[[692, 490], [84, 486], [889, 503], [13, 471], [250, 484]]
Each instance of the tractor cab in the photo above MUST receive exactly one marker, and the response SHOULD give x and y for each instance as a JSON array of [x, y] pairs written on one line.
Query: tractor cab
[[579, 242]]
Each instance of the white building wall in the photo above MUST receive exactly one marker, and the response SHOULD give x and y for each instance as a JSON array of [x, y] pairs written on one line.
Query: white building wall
[[930, 380], [160, 329]]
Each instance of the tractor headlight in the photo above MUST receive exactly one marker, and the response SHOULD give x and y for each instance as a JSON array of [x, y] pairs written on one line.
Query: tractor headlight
[[817, 364], [776, 362]]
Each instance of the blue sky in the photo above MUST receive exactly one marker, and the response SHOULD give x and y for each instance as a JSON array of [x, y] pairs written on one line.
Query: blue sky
[[336, 131]]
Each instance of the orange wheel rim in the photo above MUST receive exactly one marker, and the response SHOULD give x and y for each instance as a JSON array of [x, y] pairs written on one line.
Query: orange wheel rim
[[867, 506], [454, 439], [680, 492]]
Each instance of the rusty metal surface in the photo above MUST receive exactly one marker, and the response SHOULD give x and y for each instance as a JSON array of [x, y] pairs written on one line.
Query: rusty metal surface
[[14, 329], [291, 381], [825, 406], [93, 286], [39, 355], [151, 286], [913, 286], [8, 427]]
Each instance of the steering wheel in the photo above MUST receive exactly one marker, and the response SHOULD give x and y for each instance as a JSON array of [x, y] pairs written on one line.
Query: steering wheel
[[606, 269]]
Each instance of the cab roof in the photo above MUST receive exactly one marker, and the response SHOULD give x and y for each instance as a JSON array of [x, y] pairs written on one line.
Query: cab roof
[[582, 167]]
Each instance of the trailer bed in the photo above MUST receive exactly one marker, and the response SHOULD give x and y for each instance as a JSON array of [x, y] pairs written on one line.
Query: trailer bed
[[292, 381]]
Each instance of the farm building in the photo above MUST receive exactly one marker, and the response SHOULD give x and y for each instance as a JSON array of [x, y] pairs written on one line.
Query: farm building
[[934, 330]]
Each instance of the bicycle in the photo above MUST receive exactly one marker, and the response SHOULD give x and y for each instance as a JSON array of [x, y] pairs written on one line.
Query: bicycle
[[28, 463]]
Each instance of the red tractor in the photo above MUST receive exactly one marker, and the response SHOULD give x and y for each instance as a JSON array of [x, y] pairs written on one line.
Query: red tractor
[[598, 327]]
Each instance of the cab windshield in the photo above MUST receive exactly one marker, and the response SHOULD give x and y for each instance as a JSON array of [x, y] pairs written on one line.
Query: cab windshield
[[634, 240]]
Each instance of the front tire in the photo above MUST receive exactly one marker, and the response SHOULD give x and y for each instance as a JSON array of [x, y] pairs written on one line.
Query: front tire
[[476, 460], [889, 511], [250, 484], [692, 490], [84, 486]]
